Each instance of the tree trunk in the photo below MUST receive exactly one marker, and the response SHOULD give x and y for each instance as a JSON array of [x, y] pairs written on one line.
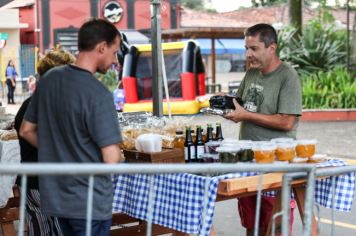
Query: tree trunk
[[295, 17], [353, 47]]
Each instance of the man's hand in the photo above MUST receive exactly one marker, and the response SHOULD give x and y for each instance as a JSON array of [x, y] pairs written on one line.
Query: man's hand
[[221, 93], [238, 115]]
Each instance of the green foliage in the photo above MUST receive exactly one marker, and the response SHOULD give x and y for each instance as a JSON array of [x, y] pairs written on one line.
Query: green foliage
[[331, 89], [108, 79], [198, 5], [319, 48]]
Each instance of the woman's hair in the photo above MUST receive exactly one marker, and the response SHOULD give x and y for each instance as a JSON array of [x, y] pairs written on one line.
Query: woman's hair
[[53, 59], [8, 64]]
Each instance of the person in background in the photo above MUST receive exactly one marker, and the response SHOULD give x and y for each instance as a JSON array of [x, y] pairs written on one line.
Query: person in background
[[11, 81], [72, 119], [31, 84], [38, 223]]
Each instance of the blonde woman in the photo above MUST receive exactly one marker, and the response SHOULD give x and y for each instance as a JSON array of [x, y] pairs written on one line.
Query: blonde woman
[[38, 223]]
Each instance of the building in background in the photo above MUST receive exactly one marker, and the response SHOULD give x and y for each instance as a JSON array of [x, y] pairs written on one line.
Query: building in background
[[10, 25], [53, 22]]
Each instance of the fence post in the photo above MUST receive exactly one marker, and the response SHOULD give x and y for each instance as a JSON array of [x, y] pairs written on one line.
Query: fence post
[[36, 59]]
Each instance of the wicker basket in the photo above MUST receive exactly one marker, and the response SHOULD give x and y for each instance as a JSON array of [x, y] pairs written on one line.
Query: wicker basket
[[167, 155]]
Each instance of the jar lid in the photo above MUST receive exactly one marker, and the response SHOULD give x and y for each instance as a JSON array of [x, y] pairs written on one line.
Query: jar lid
[[260, 143], [229, 140], [282, 140], [306, 141], [213, 143], [299, 159], [318, 156], [244, 141], [286, 145], [264, 147], [228, 149]]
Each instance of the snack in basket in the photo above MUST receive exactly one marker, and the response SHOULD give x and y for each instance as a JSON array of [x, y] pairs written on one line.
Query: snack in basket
[[264, 153], [305, 147], [299, 160], [9, 135], [317, 158]]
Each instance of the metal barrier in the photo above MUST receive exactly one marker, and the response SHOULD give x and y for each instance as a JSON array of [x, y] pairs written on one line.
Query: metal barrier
[[294, 172]]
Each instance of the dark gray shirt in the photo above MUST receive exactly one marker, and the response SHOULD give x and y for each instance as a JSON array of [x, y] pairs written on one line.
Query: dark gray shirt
[[76, 117]]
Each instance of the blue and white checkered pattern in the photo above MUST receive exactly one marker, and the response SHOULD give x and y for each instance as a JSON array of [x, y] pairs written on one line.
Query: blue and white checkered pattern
[[178, 198]]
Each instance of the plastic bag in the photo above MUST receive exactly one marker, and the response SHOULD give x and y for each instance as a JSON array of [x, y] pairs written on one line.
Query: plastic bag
[[150, 142]]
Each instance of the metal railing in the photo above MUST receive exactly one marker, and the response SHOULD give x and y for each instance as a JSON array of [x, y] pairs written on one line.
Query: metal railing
[[294, 172]]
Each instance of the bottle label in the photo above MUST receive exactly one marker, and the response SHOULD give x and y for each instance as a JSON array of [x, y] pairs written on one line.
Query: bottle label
[[186, 153], [200, 152], [192, 152]]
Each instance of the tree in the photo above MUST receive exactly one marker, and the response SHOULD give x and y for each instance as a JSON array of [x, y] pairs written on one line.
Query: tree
[[202, 5], [295, 16]]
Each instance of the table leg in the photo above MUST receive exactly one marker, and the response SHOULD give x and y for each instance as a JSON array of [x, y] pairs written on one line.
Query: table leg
[[277, 207], [299, 193]]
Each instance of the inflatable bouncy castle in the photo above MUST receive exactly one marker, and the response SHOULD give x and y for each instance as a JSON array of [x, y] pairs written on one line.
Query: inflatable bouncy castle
[[185, 78]]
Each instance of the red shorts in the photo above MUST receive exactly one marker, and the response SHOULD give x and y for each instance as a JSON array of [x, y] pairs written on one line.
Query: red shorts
[[247, 211]]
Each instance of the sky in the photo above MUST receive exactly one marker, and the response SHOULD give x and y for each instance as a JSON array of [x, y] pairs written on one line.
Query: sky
[[229, 5]]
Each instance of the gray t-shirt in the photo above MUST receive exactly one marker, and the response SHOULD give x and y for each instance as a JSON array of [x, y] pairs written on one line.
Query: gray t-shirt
[[278, 92], [76, 117]]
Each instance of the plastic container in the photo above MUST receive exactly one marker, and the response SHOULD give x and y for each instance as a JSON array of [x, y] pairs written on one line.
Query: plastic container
[[299, 160], [264, 153], [246, 153], [285, 151], [317, 158], [228, 154], [210, 158], [259, 143], [282, 140], [212, 146], [305, 147]]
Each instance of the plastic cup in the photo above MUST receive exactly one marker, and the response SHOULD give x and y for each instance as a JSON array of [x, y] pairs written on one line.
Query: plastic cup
[[305, 147], [264, 153], [285, 151], [317, 158]]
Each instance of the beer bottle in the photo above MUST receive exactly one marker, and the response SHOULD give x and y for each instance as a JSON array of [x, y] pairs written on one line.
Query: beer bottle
[[209, 133], [199, 145], [218, 136], [179, 141], [189, 148]]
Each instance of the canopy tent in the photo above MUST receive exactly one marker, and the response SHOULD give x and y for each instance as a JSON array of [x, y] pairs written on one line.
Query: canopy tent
[[221, 45]]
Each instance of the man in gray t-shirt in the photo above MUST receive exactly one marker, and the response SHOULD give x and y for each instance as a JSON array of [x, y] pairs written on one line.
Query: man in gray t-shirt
[[272, 94], [72, 119]]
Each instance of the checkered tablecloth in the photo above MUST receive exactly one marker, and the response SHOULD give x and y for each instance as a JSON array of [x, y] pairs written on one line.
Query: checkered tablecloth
[[178, 198]]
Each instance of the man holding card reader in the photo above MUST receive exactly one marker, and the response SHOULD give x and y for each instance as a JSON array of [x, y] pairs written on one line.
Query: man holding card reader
[[271, 94]]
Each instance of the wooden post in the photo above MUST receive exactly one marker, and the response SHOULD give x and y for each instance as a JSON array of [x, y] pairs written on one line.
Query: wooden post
[[213, 60]]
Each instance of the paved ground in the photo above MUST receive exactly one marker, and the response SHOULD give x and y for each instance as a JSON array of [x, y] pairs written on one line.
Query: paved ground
[[334, 138]]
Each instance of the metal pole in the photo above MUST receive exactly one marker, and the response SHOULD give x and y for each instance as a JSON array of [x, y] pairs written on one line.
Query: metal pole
[[150, 206], [258, 205], [213, 61], [348, 37], [157, 93], [309, 202], [90, 205], [333, 206], [22, 204], [205, 203], [286, 192]]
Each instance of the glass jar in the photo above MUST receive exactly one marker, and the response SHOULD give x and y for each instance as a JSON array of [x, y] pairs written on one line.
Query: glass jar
[[317, 158], [245, 154], [228, 154], [285, 151], [178, 142], [299, 160], [212, 146], [305, 147], [264, 153]]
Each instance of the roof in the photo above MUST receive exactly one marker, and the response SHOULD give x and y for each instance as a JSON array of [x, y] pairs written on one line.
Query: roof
[[18, 4], [279, 13], [232, 33], [197, 18]]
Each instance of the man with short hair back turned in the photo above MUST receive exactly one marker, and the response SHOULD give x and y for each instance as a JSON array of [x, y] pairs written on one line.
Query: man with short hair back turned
[[72, 119], [272, 94]]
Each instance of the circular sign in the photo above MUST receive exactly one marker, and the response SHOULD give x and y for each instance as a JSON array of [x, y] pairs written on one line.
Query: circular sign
[[113, 11], [2, 43]]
